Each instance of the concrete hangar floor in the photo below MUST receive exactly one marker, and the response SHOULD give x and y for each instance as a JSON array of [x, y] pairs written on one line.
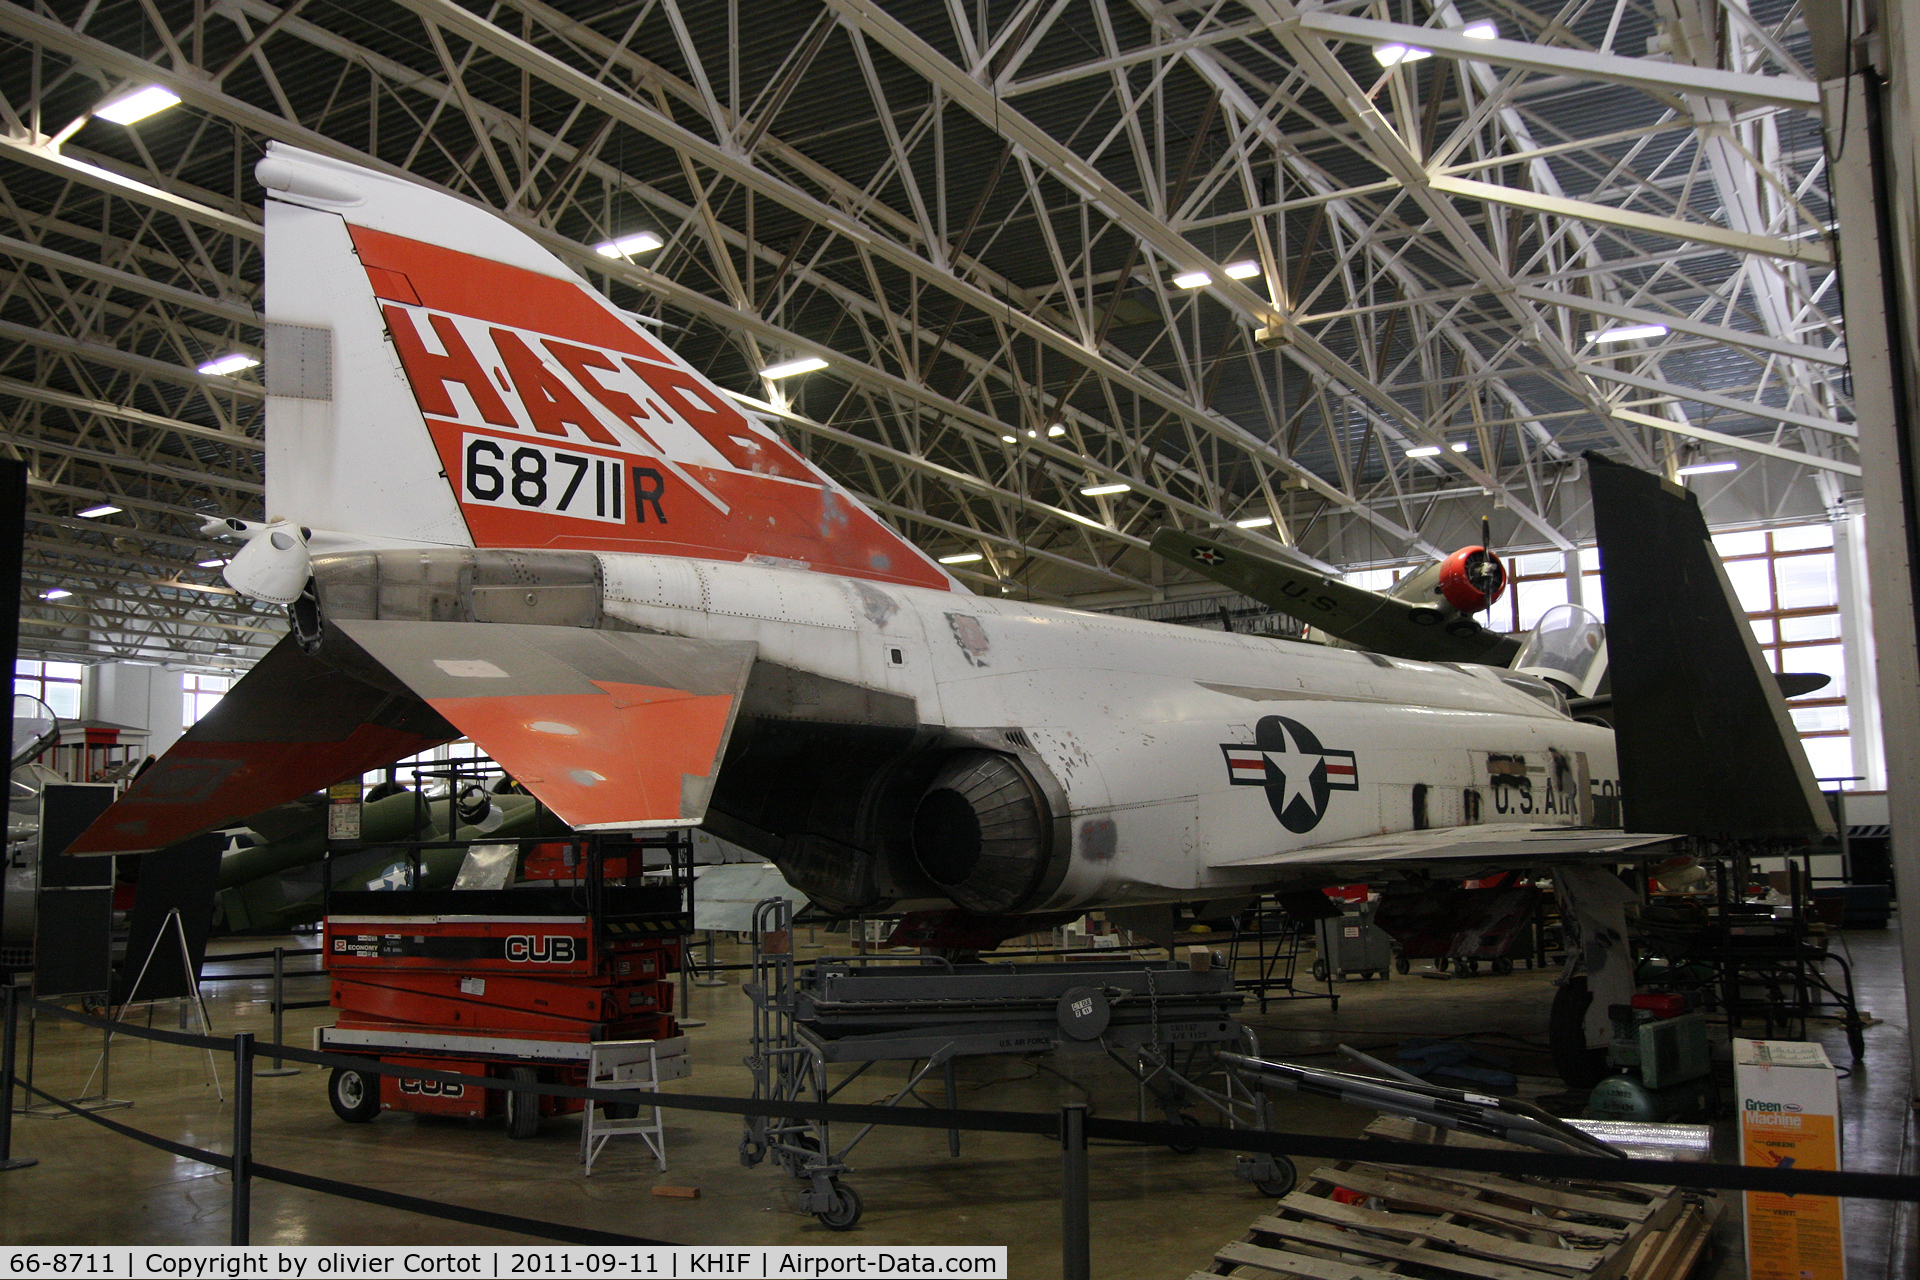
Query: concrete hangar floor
[[1156, 1215]]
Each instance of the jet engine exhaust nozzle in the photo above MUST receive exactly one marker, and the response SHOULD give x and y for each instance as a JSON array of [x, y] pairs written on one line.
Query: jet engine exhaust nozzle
[[982, 832]]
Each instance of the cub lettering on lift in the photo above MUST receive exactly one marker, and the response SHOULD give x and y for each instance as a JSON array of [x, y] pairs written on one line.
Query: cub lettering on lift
[[541, 949], [433, 1088]]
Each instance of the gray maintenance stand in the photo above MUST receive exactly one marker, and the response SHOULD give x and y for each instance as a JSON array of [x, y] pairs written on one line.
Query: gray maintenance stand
[[928, 1010]]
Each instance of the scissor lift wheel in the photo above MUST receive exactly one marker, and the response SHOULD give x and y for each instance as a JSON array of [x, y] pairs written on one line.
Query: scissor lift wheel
[[523, 1109], [354, 1094]]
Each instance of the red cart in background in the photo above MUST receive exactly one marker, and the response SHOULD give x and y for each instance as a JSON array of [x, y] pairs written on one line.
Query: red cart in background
[[1459, 928]]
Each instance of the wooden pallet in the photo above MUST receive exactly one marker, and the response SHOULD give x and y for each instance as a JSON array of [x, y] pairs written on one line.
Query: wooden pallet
[[1442, 1223]]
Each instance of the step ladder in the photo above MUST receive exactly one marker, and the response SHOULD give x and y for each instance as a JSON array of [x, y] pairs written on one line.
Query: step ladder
[[639, 1065]]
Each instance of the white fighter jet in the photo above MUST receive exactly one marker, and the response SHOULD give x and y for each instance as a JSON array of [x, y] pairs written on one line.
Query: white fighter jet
[[501, 509]]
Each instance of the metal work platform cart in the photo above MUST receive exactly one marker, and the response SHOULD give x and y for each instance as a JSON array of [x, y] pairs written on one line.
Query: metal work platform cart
[[1158, 1019], [1750, 962]]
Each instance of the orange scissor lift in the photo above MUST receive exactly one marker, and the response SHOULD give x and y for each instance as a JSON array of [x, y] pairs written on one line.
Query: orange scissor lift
[[524, 983]]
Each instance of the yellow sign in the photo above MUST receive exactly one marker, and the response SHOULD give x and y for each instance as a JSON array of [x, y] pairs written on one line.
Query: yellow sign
[[343, 810], [1789, 1119]]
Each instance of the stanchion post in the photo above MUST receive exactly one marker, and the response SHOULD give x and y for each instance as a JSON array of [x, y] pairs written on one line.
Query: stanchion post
[[11, 1039], [279, 1009], [242, 1231], [1076, 1253]]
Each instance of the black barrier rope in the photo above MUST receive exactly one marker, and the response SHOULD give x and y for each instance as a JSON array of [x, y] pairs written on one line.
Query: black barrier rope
[[1870, 1186], [534, 1227], [181, 1149], [453, 1213], [259, 977]]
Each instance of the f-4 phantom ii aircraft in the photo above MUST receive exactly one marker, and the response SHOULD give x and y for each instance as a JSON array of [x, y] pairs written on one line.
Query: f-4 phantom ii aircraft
[[501, 509]]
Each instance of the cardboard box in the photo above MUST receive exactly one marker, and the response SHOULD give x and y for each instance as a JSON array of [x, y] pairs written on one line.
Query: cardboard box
[[1790, 1118]]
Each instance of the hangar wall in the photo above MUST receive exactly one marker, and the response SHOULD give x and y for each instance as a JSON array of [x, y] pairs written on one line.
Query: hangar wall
[[144, 697], [1870, 75]]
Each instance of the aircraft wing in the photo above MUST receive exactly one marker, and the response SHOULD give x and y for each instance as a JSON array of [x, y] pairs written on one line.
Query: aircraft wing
[[612, 730], [1379, 623], [291, 725], [1707, 745], [1488, 845]]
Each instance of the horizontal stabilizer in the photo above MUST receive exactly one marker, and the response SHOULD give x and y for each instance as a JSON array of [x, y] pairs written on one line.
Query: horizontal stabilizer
[[291, 725], [612, 730], [1369, 620], [1706, 745], [1489, 845]]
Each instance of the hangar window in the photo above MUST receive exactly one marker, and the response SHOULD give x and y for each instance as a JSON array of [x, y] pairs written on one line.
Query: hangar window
[[1786, 580], [55, 683], [1376, 579], [198, 694], [1789, 583], [1535, 584]]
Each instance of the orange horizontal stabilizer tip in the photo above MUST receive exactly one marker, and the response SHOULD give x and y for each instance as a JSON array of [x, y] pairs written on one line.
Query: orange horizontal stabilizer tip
[[609, 729], [617, 758]]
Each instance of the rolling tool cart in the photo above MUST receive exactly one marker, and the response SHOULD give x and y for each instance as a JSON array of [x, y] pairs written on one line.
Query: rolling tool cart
[[924, 1009], [517, 983], [1352, 943]]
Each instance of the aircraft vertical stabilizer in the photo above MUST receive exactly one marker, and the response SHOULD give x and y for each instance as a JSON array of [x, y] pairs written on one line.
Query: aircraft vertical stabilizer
[[435, 375], [1706, 745]]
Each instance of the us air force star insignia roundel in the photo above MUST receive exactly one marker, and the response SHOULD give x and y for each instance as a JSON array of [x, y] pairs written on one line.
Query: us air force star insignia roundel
[[1207, 555], [1298, 773]]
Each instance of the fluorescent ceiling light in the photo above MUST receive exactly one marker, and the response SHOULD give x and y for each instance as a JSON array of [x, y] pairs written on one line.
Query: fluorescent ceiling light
[[104, 509], [212, 564], [1485, 29], [1707, 468], [55, 593], [627, 246], [1057, 430], [1390, 55], [788, 368], [964, 557], [1032, 433], [137, 106], [1192, 280], [1627, 333], [1102, 490], [1241, 270], [1424, 451], [229, 364], [1254, 522], [1459, 446], [1009, 439]]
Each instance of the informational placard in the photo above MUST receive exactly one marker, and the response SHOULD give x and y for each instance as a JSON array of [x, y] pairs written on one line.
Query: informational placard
[[1790, 1119], [177, 883], [343, 811]]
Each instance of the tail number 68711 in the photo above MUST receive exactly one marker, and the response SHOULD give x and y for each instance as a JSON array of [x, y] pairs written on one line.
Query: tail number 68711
[[537, 477]]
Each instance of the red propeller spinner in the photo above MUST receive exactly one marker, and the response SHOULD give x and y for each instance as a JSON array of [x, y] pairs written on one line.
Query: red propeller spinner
[[1472, 578]]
